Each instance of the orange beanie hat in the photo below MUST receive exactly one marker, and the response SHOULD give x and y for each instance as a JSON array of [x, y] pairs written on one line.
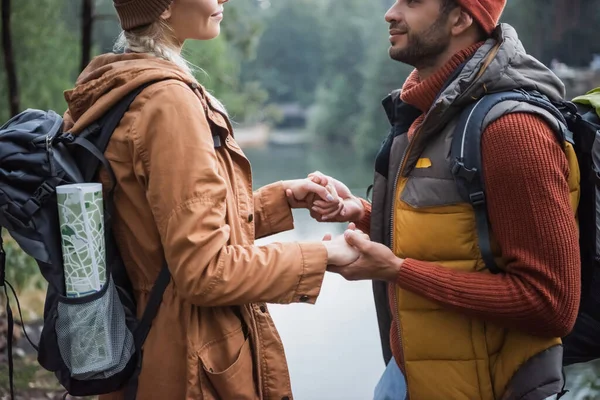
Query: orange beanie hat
[[486, 12]]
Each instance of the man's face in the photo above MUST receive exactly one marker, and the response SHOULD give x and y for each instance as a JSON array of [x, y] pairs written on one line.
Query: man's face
[[419, 32]]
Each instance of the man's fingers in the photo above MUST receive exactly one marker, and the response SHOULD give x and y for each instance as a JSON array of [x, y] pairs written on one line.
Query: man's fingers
[[323, 211], [322, 204], [327, 237], [326, 208], [335, 212], [316, 216], [356, 239], [352, 226]]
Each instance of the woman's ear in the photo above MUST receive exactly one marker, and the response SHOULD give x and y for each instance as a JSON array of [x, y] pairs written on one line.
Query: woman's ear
[[462, 21], [167, 13]]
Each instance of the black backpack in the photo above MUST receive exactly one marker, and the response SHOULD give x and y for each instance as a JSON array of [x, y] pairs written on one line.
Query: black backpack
[[580, 125], [35, 157]]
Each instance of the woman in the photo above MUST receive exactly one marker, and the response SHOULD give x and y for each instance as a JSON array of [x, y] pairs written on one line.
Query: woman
[[186, 196]]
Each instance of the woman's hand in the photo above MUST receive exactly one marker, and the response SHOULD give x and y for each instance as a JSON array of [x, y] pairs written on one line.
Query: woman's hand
[[301, 193], [339, 252], [351, 209]]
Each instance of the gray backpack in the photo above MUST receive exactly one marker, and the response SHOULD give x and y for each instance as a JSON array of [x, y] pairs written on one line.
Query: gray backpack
[[35, 157]]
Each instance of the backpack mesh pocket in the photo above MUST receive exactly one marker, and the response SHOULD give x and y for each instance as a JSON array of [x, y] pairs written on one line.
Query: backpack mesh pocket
[[93, 337]]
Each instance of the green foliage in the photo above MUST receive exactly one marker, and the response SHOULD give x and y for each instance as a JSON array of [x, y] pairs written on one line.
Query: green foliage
[[353, 71], [536, 24], [21, 270], [358, 75], [290, 53], [337, 112], [583, 380], [219, 70], [383, 75], [243, 26], [346, 34], [46, 56], [31, 381]]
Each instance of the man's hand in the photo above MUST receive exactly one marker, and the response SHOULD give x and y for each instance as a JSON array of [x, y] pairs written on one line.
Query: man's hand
[[375, 260], [352, 208], [300, 192]]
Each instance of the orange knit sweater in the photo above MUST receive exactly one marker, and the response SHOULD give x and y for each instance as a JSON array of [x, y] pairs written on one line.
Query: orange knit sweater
[[526, 174]]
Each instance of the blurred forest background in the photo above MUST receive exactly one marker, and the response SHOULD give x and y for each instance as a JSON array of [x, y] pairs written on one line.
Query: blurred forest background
[[302, 77], [320, 64]]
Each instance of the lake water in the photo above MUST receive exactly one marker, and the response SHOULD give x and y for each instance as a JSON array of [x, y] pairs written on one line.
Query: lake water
[[333, 347]]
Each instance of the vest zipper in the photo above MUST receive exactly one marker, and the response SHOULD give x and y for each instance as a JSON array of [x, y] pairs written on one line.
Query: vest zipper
[[393, 289], [396, 315]]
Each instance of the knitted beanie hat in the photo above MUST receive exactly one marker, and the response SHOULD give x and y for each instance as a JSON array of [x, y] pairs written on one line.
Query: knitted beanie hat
[[136, 13], [486, 12]]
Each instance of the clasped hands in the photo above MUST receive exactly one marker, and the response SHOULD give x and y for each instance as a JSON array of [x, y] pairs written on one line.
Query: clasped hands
[[352, 255]]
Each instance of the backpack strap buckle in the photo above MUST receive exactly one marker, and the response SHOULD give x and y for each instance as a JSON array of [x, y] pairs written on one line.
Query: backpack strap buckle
[[477, 198], [67, 138], [459, 169], [43, 191]]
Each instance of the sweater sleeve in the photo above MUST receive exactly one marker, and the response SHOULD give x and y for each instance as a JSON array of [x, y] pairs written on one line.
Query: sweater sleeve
[[364, 224], [526, 175]]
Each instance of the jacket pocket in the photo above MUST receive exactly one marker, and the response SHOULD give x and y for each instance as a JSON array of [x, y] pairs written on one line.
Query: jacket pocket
[[229, 379]]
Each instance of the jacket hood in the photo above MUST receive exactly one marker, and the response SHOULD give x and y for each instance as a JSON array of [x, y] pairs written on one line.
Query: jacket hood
[[110, 77], [500, 64]]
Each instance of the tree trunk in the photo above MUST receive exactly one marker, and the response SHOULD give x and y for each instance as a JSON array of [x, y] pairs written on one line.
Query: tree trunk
[[9, 60], [87, 23]]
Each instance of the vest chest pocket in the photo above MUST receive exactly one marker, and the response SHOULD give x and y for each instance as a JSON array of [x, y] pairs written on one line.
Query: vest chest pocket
[[425, 191], [430, 181]]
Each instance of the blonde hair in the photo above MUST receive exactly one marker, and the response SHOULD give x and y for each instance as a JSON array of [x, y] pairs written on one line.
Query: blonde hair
[[157, 39]]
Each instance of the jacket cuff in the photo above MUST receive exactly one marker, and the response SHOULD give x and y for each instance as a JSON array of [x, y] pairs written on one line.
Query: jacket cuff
[[275, 208], [314, 263]]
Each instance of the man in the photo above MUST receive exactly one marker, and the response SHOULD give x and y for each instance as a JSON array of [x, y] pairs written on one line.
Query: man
[[455, 330]]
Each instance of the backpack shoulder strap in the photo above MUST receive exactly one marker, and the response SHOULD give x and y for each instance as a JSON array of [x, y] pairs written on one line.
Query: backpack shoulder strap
[[466, 156], [94, 138]]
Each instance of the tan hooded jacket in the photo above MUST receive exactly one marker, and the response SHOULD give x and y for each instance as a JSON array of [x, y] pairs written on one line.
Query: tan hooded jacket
[[180, 198]]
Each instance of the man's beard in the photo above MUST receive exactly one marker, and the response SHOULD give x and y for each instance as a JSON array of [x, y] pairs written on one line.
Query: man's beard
[[423, 49]]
